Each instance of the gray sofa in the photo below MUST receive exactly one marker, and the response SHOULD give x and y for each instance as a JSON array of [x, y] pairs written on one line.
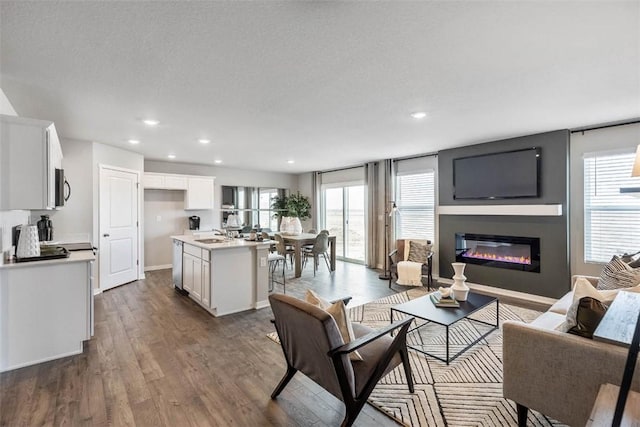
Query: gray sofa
[[556, 373]]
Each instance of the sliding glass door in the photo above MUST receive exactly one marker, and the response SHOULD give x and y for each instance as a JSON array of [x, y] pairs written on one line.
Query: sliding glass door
[[344, 217]]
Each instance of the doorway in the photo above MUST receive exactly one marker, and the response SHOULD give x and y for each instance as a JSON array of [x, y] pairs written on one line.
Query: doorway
[[344, 216], [119, 226]]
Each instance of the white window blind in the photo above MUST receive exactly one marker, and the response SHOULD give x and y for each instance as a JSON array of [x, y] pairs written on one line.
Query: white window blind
[[611, 219], [415, 198]]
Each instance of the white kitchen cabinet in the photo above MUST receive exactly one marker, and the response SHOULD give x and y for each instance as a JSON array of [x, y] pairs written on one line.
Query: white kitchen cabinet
[[159, 181], [196, 278], [187, 271], [206, 283], [47, 309], [199, 193], [30, 153]]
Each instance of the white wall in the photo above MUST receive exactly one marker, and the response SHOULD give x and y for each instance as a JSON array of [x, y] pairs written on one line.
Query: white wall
[[170, 207], [613, 138], [112, 156], [8, 219]]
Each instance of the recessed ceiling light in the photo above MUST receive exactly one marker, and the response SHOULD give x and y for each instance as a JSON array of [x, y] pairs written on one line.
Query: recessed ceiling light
[[171, 156], [150, 122], [217, 161], [204, 141], [419, 115], [134, 141], [291, 162]]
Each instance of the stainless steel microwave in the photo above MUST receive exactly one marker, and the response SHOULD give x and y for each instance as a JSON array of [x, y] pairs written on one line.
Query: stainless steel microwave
[[62, 187]]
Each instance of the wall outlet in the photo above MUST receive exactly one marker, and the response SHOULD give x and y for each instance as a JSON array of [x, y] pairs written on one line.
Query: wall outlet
[[158, 218], [263, 262]]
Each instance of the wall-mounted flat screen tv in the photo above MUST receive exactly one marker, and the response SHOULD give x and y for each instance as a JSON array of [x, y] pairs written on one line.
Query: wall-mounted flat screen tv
[[506, 175]]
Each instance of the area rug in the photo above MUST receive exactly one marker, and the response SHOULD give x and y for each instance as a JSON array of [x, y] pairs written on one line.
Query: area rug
[[468, 392]]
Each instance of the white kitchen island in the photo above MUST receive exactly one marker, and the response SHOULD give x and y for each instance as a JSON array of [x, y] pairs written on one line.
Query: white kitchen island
[[46, 309], [225, 277]]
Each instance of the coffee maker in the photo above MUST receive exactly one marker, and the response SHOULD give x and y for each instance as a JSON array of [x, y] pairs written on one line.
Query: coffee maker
[[45, 229], [194, 222]]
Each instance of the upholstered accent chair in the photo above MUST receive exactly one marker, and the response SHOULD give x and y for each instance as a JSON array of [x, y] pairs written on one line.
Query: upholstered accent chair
[[398, 255], [312, 344]]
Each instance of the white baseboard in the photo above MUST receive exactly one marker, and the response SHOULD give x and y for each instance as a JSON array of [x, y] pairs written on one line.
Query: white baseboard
[[262, 304], [498, 292], [97, 291], [158, 267]]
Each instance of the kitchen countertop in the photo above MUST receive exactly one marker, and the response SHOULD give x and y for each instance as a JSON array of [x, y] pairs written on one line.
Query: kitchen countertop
[[224, 244], [75, 256]]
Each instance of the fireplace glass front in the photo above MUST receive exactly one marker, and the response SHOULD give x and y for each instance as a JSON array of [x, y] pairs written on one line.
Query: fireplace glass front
[[514, 253]]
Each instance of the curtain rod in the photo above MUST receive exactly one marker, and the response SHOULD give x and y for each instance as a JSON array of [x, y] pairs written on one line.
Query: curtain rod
[[342, 169], [418, 156], [606, 125]]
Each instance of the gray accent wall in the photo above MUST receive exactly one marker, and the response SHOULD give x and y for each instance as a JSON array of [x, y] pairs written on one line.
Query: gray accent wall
[[553, 231]]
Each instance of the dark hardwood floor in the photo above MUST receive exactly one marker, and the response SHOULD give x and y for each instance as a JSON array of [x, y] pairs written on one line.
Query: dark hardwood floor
[[158, 359]]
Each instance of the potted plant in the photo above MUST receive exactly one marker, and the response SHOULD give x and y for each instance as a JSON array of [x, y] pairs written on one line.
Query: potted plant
[[291, 210]]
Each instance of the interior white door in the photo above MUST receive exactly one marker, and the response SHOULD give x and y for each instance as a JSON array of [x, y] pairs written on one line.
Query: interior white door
[[118, 227]]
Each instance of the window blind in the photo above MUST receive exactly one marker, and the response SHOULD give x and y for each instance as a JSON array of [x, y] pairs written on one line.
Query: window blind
[[415, 198], [611, 219]]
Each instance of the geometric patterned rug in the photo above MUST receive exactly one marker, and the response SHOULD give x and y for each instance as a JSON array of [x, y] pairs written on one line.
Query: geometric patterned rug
[[467, 392]]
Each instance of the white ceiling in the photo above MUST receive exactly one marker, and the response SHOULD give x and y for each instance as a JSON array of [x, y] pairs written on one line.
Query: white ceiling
[[328, 84]]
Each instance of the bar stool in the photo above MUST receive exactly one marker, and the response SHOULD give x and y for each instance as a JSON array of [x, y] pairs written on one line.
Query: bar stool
[[274, 259]]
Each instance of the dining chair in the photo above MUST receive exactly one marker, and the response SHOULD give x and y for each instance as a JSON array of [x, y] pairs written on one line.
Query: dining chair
[[283, 249], [319, 248]]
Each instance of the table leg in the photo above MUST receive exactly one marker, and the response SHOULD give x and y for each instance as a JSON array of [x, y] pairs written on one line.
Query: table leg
[[297, 248], [447, 358], [332, 245]]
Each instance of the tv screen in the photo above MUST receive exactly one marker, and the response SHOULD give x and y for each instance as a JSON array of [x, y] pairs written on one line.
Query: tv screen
[[504, 175]]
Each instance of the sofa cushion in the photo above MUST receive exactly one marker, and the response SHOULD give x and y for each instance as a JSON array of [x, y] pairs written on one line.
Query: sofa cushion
[[562, 305], [617, 274], [549, 321]]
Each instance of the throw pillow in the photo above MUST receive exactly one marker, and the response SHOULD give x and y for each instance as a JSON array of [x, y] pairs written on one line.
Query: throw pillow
[[590, 312], [618, 275], [338, 311], [417, 252]]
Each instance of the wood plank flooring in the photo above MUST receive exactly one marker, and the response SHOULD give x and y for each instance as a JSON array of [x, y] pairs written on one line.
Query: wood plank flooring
[[157, 359]]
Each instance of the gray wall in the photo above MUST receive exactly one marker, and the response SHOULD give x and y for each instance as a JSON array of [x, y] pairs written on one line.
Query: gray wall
[[554, 277]]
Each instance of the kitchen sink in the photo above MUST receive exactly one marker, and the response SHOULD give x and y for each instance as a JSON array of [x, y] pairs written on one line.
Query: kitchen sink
[[209, 241]]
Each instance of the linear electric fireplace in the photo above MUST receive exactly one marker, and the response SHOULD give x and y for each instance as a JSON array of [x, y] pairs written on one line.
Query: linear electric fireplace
[[514, 253]]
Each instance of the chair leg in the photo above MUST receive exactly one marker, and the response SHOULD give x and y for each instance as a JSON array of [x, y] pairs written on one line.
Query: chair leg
[[284, 381], [284, 278], [404, 356], [352, 413], [326, 261], [523, 411]]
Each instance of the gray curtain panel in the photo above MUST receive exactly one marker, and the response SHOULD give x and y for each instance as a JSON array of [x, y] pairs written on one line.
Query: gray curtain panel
[[316, 197], [389, 194], [371, 177]]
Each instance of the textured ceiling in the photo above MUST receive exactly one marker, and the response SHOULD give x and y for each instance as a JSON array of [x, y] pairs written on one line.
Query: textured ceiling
[[328, 84]]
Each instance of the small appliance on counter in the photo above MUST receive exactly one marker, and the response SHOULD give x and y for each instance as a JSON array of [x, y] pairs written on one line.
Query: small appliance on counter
[[45, 229], [194, 222]]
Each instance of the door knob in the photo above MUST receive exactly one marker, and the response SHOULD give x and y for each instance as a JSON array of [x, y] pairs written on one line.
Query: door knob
[[105, 235]]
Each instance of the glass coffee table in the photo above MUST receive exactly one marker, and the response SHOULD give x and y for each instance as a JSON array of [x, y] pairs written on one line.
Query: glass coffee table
[[423, 308]]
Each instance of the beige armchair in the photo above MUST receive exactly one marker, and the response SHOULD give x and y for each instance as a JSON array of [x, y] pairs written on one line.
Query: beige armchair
[[312, 344], [398, 255]]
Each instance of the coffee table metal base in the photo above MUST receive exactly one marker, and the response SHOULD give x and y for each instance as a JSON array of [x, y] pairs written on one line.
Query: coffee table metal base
[[448, 359]]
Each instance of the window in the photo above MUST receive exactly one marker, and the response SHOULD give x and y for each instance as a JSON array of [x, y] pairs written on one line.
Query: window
[[415, 198], [265, 216], [611, 219]]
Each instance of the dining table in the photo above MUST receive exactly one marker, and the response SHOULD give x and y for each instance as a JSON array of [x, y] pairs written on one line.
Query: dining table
[[300, 240]]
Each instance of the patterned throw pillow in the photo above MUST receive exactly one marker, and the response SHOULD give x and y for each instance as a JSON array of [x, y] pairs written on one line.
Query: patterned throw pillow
[[418, 252], [617, 274]]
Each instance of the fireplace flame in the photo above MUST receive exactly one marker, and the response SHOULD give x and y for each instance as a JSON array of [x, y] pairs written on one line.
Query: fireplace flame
[[495, 257]]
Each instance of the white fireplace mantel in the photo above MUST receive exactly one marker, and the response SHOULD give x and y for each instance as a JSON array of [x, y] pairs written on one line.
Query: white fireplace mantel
[[503, 210]]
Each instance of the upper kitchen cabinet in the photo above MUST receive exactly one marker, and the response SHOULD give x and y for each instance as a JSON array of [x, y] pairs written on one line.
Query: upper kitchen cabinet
[[163, 181], [30, 153], [199, 193]]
